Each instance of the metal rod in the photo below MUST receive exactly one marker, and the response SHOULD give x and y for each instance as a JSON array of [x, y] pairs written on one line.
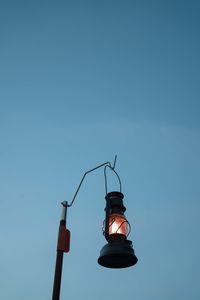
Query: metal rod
[[58, 275], [64, 211], [59, 257], [106, 164]]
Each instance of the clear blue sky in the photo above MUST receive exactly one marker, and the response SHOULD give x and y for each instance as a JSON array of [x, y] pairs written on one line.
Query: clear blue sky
[[81, 81]]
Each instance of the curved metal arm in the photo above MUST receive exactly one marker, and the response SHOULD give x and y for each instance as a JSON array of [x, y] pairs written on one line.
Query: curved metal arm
[[106, 164]]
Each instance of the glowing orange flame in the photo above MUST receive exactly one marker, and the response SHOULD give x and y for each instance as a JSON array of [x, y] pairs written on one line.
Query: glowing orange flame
[[118, 224]]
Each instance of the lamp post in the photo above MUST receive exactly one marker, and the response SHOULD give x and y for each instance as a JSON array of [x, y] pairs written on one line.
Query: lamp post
[[118, 252]]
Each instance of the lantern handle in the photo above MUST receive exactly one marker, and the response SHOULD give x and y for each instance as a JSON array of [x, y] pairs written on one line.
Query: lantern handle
[[105, 176], [106, 164]]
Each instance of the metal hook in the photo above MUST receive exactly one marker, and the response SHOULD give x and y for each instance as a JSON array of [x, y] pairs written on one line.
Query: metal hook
[[114, 164], [106, 164]]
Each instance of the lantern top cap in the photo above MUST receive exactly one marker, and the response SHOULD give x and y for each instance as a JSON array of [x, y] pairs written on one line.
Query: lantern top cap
[[115, 194]]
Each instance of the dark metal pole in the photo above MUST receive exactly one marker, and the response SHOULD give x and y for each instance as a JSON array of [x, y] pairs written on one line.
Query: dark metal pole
[[58, 275], [63, 246]]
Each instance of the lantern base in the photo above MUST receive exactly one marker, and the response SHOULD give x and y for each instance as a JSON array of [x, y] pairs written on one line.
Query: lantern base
[[117, 255]]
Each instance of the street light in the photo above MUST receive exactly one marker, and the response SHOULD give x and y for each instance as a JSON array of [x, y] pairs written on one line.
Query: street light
[[118, 252]]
